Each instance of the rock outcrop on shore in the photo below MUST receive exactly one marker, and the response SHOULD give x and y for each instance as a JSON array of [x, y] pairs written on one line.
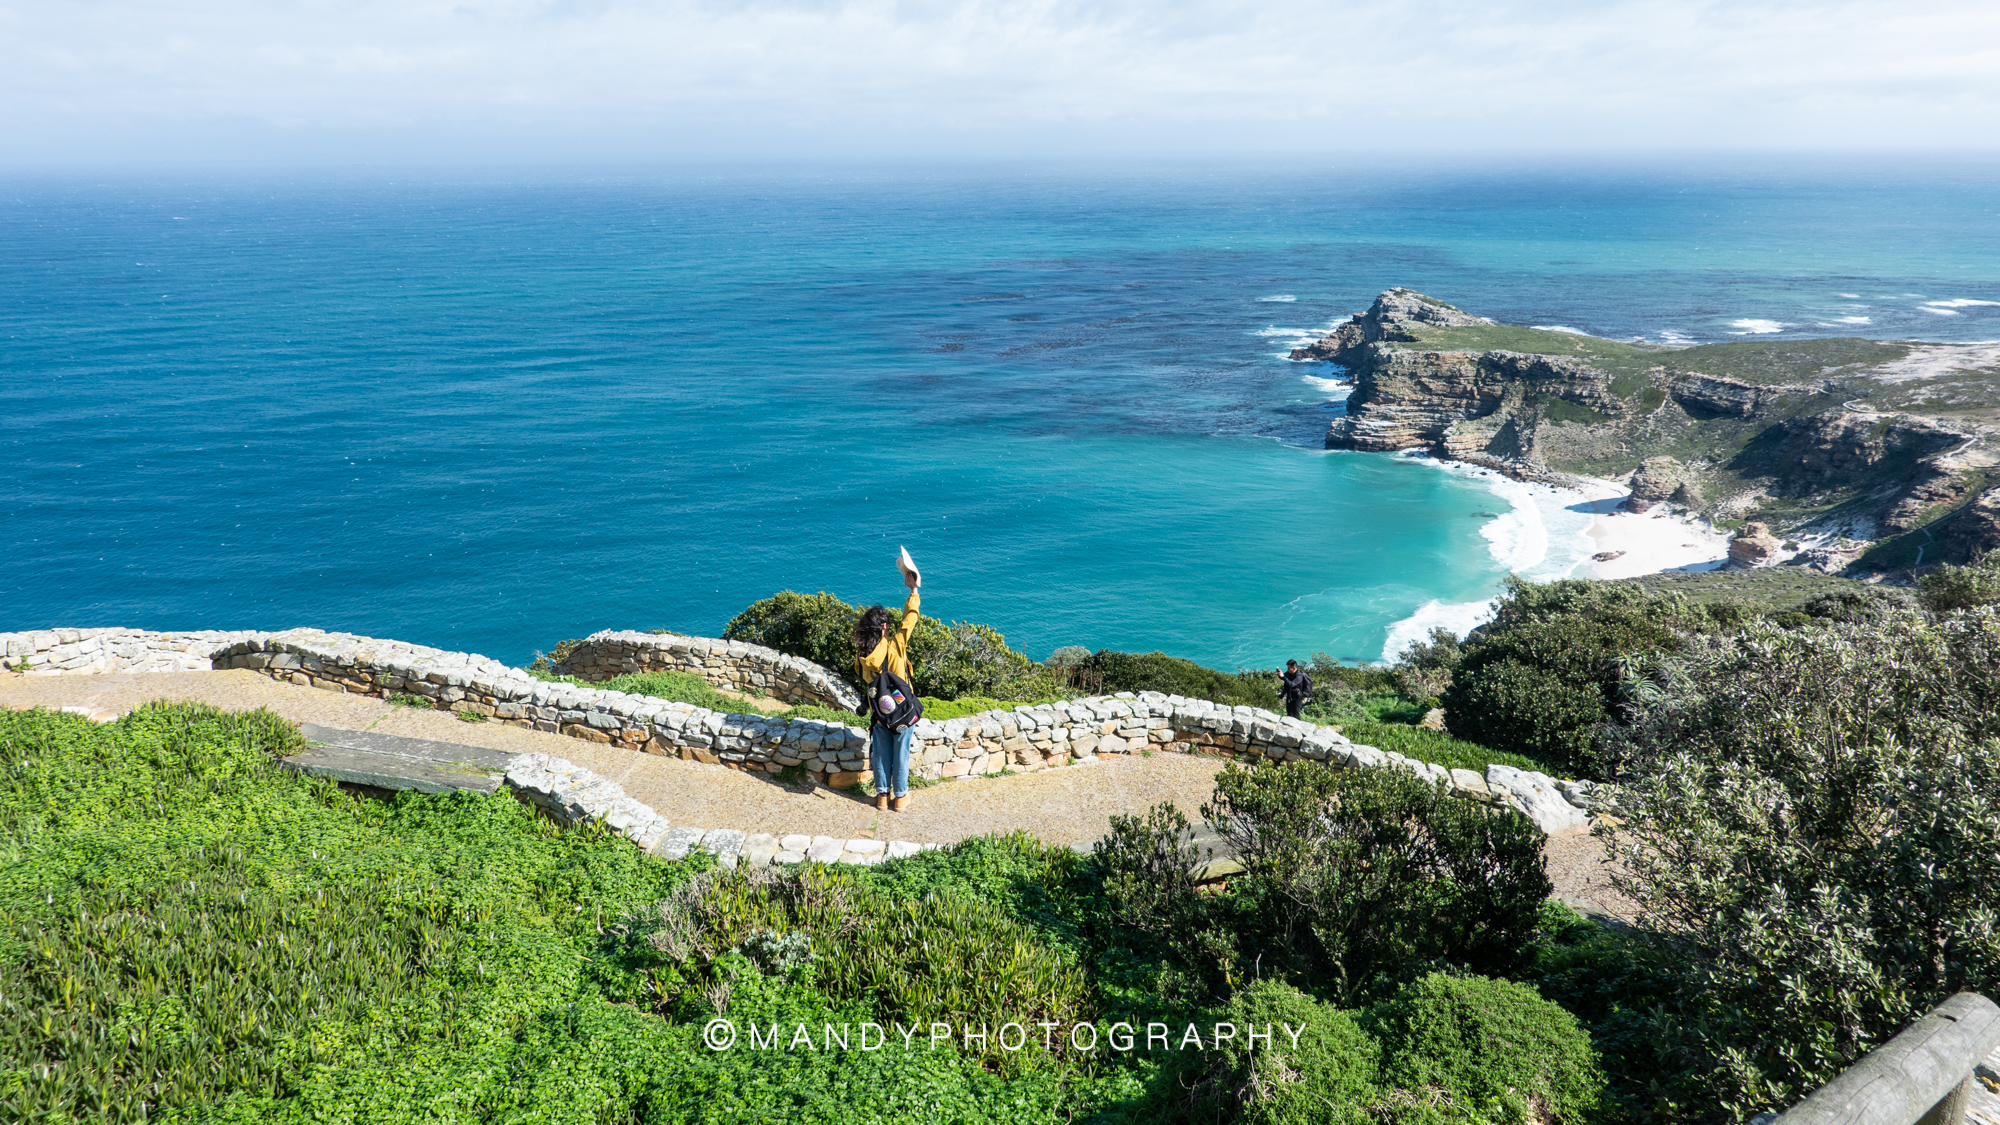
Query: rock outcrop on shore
[[1872, 454]]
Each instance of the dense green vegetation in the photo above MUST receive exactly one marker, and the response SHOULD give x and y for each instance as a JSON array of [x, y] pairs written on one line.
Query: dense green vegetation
[[1111, 671], [189, 933], [193, 934]]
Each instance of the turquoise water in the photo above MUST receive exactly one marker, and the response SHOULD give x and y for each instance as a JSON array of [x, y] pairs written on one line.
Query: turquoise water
[[490, 413]]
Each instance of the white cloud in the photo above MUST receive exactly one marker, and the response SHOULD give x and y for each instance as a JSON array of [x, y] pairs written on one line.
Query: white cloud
[[496, 78]]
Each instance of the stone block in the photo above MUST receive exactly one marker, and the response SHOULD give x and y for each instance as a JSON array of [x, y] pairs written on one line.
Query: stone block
[[902, 849], [724, 842], [825, 849], [675, 842], [864, 846], [843, 779], [796, 842]]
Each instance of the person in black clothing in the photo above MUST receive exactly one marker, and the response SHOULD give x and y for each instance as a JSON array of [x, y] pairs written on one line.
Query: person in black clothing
[[1298, 688]]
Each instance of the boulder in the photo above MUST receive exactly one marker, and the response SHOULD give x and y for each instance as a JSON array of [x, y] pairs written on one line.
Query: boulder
[[1754, 545], [1537, 797], [1660, 480]]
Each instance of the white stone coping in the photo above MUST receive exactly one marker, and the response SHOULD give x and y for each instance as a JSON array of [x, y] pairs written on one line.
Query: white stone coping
[[571, 795], [793, 676]]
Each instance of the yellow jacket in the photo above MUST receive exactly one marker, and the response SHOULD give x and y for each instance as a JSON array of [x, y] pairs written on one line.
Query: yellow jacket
[[894, 649]]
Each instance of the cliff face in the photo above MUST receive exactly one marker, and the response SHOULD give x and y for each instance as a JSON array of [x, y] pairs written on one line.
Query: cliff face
[[1832, 441]]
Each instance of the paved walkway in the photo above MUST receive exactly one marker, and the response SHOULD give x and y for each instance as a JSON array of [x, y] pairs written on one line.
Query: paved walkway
[[1061, 806]]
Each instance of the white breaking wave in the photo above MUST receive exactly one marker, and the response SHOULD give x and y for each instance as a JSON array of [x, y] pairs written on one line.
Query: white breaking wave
[[1849, 296], [1460, 618], [1669, 336], [1850, 320], [1281, 297], [1937, 311], [1336, 388], [1558, 328], [1750, 326], [1539, 538], [1960, 303]]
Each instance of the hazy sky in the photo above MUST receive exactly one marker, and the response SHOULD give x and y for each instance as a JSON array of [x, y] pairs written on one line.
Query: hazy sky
[[119, 81]]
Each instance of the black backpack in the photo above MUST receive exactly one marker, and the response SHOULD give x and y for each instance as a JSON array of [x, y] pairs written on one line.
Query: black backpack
[[891, 702]]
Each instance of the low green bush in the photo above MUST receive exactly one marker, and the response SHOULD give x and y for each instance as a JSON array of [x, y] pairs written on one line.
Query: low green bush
[[1542, 678], [1950, 588], [1156, 671], [950, 660], [1328, 1075], [1355, 881], [909, 958], [1484, 1045]]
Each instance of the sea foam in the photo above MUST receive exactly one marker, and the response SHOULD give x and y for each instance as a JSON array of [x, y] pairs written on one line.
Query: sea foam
[[1461, 618], [1280, 297], [1558, 328], [1751, 326]]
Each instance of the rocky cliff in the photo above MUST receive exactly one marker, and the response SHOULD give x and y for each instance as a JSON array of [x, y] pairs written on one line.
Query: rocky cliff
[[1852, 452]]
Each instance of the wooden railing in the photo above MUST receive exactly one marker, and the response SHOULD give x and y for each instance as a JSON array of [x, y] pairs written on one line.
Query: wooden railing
[[1921, 1077]]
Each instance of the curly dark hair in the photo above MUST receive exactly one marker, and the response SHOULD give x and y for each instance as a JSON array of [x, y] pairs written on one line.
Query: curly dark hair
[[869, 629]]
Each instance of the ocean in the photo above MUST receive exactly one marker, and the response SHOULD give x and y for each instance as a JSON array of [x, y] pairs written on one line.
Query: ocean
[[488, 411]]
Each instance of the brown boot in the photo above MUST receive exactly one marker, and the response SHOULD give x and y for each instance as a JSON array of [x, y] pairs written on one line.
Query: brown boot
[[900, 803], [882, 801]]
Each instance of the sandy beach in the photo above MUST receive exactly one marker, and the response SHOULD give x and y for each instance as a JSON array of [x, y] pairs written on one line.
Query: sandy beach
[[1645, 542]]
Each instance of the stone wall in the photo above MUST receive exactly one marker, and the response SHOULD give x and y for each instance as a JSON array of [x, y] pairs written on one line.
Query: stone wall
[[49, 652], [1023, 739], [735, 665]]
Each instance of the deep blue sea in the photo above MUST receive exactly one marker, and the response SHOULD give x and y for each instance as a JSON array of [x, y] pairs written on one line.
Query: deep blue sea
[[490, 411]]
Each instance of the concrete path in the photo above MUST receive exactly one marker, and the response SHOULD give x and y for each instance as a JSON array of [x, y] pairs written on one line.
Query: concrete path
[[1066, 806]]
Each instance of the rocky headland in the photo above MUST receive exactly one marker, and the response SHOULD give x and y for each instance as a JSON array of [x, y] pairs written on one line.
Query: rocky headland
[[1839, 454]]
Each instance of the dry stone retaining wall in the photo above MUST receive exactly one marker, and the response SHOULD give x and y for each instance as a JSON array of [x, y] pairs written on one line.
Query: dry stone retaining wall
[[736, 665], [1026, 738], [571, 794]]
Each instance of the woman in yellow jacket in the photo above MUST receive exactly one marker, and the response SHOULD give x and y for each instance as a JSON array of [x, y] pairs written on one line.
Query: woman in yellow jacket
[[878, 647]]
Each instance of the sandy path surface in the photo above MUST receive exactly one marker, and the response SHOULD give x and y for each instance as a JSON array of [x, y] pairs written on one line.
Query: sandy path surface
[[1061, 806]]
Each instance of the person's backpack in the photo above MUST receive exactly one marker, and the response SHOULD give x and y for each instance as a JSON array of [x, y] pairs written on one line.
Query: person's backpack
[[892, 702]]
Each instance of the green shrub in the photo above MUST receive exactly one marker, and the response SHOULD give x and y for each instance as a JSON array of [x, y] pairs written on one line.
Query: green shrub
[[818, 627], [1359, 878], [1146, 865], [1950, 588], [1066, 657], [1542, 678], [1327, 1076], [1534, 711], [911, 958], [1156, 671], [1812, 833], [1485, 1043], [1425, 669], [961, 658], [1355, 880]]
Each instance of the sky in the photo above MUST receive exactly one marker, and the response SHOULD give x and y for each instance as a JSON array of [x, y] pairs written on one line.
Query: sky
[[156, 82]]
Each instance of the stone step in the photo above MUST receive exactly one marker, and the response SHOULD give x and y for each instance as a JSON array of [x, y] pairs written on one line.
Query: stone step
[[387, 761]]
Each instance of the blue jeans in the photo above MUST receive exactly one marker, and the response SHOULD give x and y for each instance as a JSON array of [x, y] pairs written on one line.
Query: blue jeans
[[889, 757]]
